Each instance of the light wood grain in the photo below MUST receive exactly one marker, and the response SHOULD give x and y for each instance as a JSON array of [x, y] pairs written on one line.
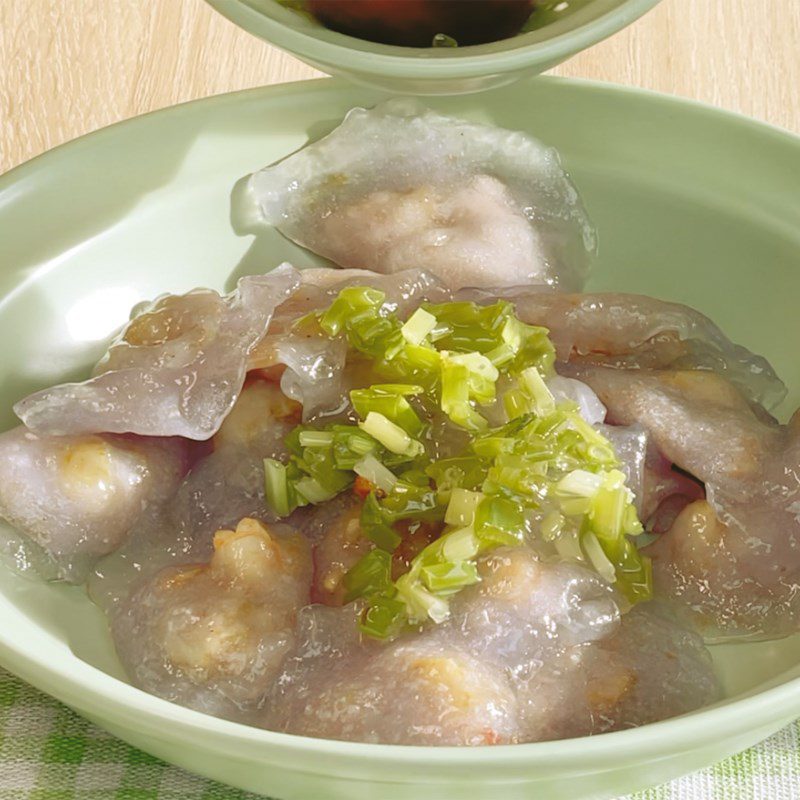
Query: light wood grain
[[70, 66]]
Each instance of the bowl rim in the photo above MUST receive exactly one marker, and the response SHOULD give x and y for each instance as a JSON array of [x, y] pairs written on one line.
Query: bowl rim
[[358, 55], [96, 693], [93, 692]]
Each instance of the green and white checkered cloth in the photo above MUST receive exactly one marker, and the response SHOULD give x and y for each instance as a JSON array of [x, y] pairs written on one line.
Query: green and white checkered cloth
[[49, 753]]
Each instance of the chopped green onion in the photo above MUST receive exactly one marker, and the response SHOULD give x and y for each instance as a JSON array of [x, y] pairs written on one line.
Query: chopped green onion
[[530, 344], [601, 448], [516, 403], [316, 438], [419, 325], [481, 375], [396, 389], [420, 603], [547, 473], [532, 383], [372, 470], [579, 483], [513, 334], [598, 559], [391, 436], [551, 526], [389, 400], [462, 505], [458, 545], [501, 355], [383, 618], [450, 473], [468, 327], [313, 491], [499, 521], [371, 575], [607, 513], [455, 400], [491, 446], [377, 526], [360, 444], [353, 305], [449, 576], [276, 487], [568, 546]]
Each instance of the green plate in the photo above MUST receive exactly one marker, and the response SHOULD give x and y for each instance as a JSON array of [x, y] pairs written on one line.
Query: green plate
[[691, 204]]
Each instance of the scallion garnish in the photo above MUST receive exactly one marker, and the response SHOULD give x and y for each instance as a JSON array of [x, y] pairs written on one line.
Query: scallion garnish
[[277, 487], [545, 475], [376, 473], [419, 325], [390, 401], [390, 435]]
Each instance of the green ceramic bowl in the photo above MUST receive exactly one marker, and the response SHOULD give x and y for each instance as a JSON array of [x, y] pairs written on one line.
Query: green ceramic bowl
[[691, 205], [409, 70]]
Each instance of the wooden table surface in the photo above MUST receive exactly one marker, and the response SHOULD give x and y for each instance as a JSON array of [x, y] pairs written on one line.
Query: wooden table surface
[[70, 66]]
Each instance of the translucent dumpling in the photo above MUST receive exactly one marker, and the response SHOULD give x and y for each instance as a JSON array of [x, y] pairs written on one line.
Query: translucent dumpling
[[630, 331], [213, 636], [76, 498], [416, 692], [175, 370], [399, 186], [730, 557], [649, 669], [223, 486], [537, 650]]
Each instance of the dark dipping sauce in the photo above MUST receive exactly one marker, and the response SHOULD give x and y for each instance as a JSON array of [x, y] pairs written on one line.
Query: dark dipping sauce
[[415, 23]]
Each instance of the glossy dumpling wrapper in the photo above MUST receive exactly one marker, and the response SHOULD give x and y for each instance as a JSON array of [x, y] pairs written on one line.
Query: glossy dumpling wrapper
[[223, 486], [629, 442], [537, 651], [175, 370], [75, 499], [448, 684], [666, 490], [649, 669], [577, 665], [525, 607], [315, 366], [401, 186], [569, 390], [729, 561], [416, 691], [630, 331], [404, 290], [339, 543], [229, 482], [697, 419], [213, 636], [671, 670]]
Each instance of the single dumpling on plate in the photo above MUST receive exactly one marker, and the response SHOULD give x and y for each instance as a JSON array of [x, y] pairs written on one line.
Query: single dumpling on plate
[[225, 484], [631, 331], [74, 499], [727, 559], [176, 369], [213, 635], [401, 186]]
